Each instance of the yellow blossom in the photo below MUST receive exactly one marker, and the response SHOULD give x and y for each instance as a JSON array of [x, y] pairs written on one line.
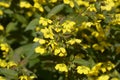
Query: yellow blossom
[[11, 64], [44, 21], [4, 54], [37, 29], [116, 20], [1, 12], [73, 41], [35, 39], [52, 44], [98, 47], [4, 47], [83, 70], [108, 5], [68, 26], [1, 28], [60, 51], [2, 78], [95, 33], [23, 77], [42, 41], [38, 6], [92, 8], [48, 33], [24, 4], [86, 25], [70, 2], [110, 65], [95, 69], [40, 50], [103, 69], [61, 67], [3, 63], [103, 77], [29, 13], [3, 4], [85, 46], [53, 1], [81, 2]]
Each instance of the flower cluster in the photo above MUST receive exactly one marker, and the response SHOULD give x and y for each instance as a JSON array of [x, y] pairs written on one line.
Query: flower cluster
[[80, 38]]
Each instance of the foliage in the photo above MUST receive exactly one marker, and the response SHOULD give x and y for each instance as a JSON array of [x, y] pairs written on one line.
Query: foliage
[[60, 39]]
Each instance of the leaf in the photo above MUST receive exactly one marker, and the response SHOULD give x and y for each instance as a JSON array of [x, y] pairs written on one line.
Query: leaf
[[81, 62], [11, 27], [32, 62], [55, 10], [11, 74], [20, 18], [8, 11], [32, 24], [25, 50]]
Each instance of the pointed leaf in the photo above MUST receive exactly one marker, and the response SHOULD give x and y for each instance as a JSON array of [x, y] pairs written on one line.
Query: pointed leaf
[[55, 10], [32, 24]]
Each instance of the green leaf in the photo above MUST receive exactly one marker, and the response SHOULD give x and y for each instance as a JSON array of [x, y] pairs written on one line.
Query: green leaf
[[20, 18], [11, 27], [8, 11], [8, 73], [55, 10], [32, 62], [32, 24], [25, 51], [81, 62]]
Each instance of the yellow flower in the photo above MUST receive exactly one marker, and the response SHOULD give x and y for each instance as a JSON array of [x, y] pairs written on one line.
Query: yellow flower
[[2, 78], [47, 32], [23, 77], [60, 51], [35, 39], [61, 67], [108, 5], [4, 47], [24, 4], [1, 13], [83, 70], [1, 28], [95, 33], [98, 47], [110, 65], [3, 63], [38, 6], [37, 29], [73, 41], [86, 25], [95, 69], [40, 50], [103, 69], [70, 2], [103, 77], [29, 13], [92, 8], [11, 64], [52, 44], [80, 2], [68, 26], [44, 21], [85, 46], [42, 41], [53, 1], [6, 5], [116, 20]]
